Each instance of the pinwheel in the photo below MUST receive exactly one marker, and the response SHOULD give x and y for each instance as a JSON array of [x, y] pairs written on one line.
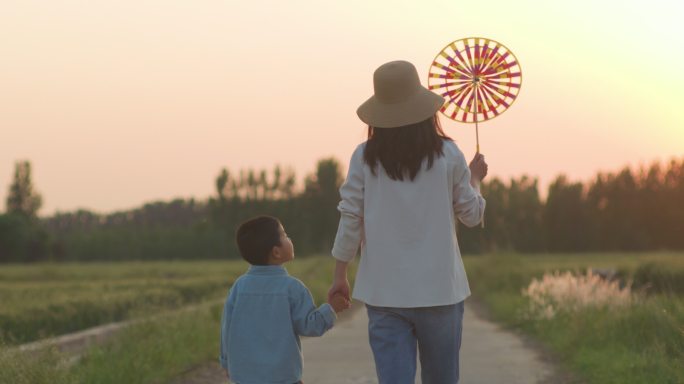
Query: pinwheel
[[479, 79]]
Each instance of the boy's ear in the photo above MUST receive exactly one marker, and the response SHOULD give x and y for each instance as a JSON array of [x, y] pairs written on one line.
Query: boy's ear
[[275, 253]]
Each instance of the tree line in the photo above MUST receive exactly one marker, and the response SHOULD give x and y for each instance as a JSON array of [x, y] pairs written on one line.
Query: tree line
[[629, 210]]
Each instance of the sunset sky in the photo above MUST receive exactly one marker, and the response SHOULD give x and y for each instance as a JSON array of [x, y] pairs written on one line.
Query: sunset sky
[[118, 103]]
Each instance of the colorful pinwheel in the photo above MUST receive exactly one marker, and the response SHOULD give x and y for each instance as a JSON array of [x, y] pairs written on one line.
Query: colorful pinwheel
[[479, 79]]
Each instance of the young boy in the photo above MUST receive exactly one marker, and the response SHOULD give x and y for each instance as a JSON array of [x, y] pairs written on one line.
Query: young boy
[[267, 310]]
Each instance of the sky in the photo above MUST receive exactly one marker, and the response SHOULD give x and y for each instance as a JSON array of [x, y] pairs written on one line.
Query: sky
[[119, 103]]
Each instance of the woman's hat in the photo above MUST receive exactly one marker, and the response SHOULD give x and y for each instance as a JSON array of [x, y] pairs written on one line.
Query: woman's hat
[[399, 98]]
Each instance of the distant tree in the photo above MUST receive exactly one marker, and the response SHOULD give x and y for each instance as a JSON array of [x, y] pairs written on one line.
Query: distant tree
[[564, 217], [672, 206], [275, 186], [12, 238], [320, 199], [262, 184], [496, 234], [513, 218], [329, 178], [23, 239], [288, 185], [22, 198], [252, 185], [221, 182], [524, 215]]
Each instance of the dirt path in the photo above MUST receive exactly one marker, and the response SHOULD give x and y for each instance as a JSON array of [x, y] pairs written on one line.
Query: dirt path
[[489, 355]]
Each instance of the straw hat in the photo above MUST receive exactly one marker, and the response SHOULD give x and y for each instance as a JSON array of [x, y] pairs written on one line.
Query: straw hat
[[399, 98]]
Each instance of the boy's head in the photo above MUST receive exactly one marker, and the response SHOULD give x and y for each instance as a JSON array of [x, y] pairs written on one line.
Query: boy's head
[[263, 241]]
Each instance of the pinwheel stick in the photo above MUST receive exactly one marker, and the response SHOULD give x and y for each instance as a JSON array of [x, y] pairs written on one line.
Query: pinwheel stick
[[477, 132]]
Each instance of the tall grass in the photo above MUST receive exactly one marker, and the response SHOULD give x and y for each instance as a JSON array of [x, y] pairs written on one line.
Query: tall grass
[[569, 292], [639, 343]]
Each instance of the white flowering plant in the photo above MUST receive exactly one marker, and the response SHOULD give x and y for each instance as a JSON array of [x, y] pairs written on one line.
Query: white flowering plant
[[556, 292]]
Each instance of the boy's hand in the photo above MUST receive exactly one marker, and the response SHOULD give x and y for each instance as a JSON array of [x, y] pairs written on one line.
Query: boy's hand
[[339, 286], [339, 302]]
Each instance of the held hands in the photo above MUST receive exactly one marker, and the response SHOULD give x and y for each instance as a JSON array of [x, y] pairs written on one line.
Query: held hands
[[338, 295], [339, 303], [478, 168]]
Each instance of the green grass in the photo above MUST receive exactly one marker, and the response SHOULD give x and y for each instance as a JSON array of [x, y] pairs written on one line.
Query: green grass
[[150, 351], [45, 368], [156, 350], [42, 300], [52, 299], [643, 343]]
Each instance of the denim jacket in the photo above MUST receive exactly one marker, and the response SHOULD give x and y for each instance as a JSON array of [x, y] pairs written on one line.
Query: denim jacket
[[265, 313]]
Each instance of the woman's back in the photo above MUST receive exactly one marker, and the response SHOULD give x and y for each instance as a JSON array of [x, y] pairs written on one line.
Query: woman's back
[[409, 230]]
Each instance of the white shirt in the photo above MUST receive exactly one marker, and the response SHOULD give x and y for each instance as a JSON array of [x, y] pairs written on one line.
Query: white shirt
[[406, 230]]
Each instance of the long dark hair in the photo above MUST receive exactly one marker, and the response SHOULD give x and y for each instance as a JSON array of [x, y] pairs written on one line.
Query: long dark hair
[[401, 150]]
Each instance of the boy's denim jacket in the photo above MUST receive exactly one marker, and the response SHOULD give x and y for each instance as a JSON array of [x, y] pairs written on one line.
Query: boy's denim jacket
[[265, 313]]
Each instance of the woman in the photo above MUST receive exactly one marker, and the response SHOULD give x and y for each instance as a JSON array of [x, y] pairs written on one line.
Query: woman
[[405, 188]]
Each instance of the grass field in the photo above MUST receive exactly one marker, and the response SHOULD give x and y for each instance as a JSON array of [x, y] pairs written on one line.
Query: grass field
[[52, 299], [643, 343], [91, 294]]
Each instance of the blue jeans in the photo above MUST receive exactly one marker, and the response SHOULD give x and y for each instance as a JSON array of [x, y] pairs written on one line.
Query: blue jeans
[[396, 333]]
